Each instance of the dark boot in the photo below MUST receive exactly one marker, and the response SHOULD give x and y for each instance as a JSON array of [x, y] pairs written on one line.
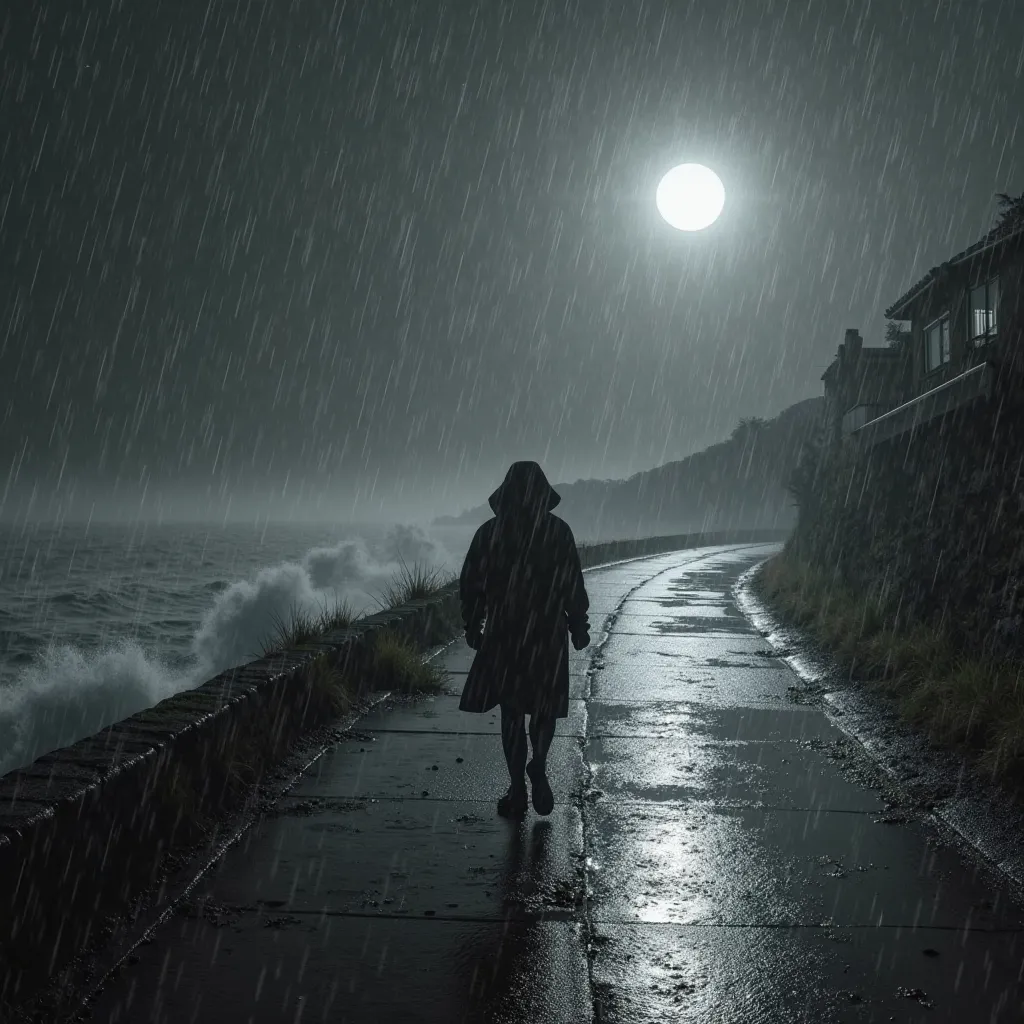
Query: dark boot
[[543, 798], [513, 804], [542, 732], [513, 740]]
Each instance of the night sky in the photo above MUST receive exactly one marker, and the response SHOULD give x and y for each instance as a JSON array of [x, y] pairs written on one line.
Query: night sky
[[327, 258]]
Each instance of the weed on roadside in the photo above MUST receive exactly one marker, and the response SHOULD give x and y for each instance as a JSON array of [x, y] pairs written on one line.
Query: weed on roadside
[[962, 701], [301, 626], [412, 583], [396, 664]]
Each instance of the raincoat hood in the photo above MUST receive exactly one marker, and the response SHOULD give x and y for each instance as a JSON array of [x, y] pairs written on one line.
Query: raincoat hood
[[524, 490]]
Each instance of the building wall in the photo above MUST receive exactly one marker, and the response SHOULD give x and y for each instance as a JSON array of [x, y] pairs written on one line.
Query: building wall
[[951, 293], [869, 378], [946, 295], [930, 522], [1009, 347]]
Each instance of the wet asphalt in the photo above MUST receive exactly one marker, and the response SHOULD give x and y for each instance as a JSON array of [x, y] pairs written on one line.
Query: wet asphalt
[[719, 851]]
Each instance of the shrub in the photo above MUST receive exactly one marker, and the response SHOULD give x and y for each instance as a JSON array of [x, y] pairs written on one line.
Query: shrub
[[961, 700], [395, 664], [302, 626], [414, 583]]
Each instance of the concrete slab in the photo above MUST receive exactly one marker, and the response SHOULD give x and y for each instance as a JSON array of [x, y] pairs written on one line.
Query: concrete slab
[[457, 658], [669, 624], [684, 595], [602, 607], [739, 651], [724, 817], [601, 623], [647, 566], [618, 581], [629, 574], [730, 867], [702, 721], [405, 858], [603, 601], [702, 604], [579, 684], [662, 679], [662, 974], [271, 968], [442, 714], [783, 775], [468, 767], [676, 586], [460, 658]]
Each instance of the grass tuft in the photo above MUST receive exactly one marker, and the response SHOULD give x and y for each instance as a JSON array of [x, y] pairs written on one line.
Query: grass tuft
[[973, 704], [396, 664], [412, 583], [302, 626], [332, 690]]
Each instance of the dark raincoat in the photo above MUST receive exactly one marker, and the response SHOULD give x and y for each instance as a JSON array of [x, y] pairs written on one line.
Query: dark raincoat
[[523, 576]]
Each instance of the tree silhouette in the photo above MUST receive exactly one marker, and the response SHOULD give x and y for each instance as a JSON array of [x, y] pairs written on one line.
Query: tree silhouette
[[1011, 211], [748, 429], [803, 484], [895, 333]]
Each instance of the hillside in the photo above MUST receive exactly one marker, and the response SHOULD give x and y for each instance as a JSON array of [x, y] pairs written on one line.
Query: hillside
[[736, 484]]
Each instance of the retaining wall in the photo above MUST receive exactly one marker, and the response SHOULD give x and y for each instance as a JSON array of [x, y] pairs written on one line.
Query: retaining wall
[[84, 830]]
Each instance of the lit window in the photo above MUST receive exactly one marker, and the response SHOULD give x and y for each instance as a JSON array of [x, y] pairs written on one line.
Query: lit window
[[936, 344], [981, 313]]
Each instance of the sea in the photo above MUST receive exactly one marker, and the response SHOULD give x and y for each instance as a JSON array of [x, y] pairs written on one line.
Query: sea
[[100, 621]]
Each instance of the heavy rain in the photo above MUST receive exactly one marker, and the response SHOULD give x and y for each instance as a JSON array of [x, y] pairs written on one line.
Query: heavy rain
[[512, 511]]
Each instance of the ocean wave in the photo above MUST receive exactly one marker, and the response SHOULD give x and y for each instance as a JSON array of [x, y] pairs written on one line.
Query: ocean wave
[[66, 693], [95, 600], [245, 614]]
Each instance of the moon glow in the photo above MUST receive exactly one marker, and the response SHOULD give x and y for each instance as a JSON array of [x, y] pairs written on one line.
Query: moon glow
[[690, 197]]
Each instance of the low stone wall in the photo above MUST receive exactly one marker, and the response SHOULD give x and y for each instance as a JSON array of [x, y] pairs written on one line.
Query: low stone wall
[[85, 829]]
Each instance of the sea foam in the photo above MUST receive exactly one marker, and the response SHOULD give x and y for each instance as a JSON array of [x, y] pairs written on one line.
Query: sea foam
[[65, 693]]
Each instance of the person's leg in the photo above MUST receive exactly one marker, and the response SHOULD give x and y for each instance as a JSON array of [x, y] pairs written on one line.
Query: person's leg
[[513, 742], [542, 732]]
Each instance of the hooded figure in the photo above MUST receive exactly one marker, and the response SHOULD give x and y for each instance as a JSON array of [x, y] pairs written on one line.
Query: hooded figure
[[523, 595]]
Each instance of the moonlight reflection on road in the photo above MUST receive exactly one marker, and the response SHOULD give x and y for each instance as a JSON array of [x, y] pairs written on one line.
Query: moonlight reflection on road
[[690, 197]]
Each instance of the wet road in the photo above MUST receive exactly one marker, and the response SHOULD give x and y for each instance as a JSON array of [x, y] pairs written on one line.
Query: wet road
[[718, 852]]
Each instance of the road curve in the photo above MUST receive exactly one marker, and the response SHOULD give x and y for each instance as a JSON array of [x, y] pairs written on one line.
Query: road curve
[[719, 852]]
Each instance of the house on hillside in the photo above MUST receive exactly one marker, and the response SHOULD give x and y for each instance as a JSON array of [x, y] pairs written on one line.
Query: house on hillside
[[965, 331], [861, 384]]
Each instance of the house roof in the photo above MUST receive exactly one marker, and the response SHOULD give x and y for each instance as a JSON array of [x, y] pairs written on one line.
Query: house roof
[[997, 236], [867, 354]]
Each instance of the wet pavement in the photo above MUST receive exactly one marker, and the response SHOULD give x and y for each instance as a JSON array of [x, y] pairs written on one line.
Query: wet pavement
[[719, 851]]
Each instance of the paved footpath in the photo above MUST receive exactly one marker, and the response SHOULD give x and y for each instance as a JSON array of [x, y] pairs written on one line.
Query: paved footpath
[[718, 852]]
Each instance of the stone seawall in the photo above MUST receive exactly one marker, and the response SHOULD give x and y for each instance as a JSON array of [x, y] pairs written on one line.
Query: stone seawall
[[86, 829]]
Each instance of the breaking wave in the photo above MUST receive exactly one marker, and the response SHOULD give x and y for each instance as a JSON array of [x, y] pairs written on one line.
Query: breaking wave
[[65, 693]]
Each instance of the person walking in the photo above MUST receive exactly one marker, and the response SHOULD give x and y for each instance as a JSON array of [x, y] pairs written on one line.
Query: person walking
[[523, 594]]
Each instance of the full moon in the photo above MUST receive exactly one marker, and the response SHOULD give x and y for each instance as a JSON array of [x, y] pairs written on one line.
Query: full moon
[[690, 197]]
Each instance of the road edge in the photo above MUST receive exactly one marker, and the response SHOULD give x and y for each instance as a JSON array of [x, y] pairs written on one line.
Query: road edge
[[976, 814]]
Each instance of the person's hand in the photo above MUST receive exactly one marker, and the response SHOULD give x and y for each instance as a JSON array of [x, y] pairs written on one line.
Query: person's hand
[[581, 640], [474, 638]]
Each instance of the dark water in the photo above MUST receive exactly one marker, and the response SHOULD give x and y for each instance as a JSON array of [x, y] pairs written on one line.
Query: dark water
[[99, 622]]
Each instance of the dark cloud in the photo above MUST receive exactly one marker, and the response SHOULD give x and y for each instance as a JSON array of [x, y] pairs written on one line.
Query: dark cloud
[[302, 253]]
